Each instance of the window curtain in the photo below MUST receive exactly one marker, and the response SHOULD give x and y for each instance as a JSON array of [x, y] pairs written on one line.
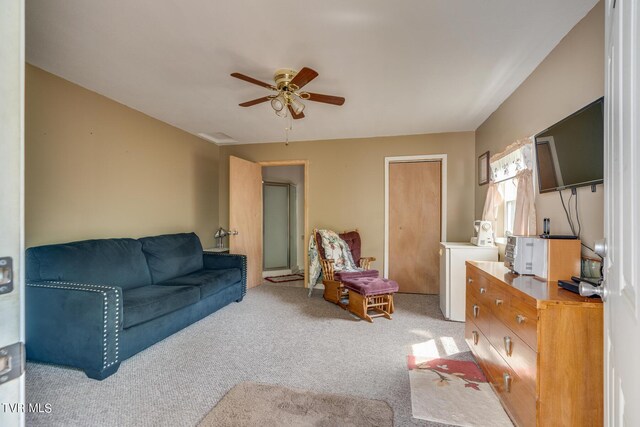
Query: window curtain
[[525, 215], [516, 161], [513, 159], [492, 203]]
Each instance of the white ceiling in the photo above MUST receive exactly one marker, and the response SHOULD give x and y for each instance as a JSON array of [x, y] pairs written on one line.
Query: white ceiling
[[404, 66]]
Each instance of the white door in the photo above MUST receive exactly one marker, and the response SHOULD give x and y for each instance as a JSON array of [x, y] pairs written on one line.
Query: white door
[[622, 213], [11, 212]]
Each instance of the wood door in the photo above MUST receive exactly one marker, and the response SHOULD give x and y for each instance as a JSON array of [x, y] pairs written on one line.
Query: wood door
[[245, 215], [621, 210], [414, 226]]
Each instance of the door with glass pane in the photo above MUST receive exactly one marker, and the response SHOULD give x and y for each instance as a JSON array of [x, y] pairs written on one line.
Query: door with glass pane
[[277, 225]]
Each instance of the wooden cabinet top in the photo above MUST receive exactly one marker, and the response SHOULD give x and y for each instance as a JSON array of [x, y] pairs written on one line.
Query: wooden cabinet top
[[537, 291]]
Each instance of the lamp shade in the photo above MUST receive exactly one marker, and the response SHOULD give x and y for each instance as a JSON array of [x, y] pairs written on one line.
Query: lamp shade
[[278, 103], [296, 105]]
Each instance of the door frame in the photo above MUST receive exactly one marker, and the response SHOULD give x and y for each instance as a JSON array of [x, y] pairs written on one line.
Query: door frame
[[305, 164], [442, 158]]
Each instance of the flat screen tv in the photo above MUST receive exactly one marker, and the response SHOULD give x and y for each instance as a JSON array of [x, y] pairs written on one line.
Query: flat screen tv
[[571, 152]]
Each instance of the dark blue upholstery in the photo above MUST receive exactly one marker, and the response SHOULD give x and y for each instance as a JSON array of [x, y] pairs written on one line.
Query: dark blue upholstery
[[113, 261], [210, 282], [172, 255], [216, 261], [92, 316], [139, 337], [149, 302]]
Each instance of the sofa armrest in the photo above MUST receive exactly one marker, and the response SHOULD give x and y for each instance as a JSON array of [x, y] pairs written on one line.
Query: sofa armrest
[[217, 261], [74, 324]]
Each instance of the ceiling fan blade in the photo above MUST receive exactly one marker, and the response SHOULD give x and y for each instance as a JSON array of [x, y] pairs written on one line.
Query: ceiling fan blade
[[255, 101], [252, 80], [294, 115], [327, 99], [303, 77]]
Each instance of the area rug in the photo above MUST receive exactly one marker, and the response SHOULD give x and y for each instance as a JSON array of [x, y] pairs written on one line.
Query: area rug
[[285, 278], [253, 404], [453, 392]]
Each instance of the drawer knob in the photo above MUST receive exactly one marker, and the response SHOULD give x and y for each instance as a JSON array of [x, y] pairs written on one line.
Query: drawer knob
[[499, 301], [476, 337], [476, 310], [508, 345], [483, 291], [506, 380], [469, 280], [520, 319]]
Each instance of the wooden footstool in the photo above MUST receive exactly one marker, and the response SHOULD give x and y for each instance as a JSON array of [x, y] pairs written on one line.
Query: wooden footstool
[[369, 294]]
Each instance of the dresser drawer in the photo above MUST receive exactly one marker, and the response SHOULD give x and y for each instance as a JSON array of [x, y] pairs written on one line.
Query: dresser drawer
[[518, 355], [477, 341], [478, 312], [522, 318], [478, 285], [499, 301], [518, 399]]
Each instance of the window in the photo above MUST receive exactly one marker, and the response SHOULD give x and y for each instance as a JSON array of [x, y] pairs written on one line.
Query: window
[[509, 192], [504, 167]]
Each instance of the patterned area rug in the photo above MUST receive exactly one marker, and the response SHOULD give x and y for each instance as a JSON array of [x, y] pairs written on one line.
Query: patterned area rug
[[253, 404], [453, 392], [285, 278]]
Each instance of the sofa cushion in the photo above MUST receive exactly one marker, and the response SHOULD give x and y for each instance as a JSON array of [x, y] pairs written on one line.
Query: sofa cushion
[[117, 262], [150, 302], [172, 255], [209, 282]]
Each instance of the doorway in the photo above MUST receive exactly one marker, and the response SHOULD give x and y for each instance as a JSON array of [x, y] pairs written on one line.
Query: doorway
[[283, 219], [246, 212], [415, 201]]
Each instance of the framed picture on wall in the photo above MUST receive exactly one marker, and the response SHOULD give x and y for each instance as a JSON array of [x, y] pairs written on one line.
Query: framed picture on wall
[[483, 169]]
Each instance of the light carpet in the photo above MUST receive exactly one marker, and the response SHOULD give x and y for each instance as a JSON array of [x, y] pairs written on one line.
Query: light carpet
[[250, 404], [275, 336]]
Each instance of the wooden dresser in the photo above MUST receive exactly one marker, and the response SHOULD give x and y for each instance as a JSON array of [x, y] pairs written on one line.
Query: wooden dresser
[[540, 346]]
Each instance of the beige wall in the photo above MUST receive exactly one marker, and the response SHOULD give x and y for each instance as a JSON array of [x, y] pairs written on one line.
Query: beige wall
[[569, 78], [96, 168], [346, 180]]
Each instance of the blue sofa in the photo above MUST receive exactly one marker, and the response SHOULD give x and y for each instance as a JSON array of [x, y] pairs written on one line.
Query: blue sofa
[[94, 303]]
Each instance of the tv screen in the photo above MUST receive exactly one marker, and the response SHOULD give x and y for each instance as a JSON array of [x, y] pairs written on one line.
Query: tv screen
[[571, 152]]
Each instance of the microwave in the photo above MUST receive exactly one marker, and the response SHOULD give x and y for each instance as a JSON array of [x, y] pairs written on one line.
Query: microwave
[[526, 255]]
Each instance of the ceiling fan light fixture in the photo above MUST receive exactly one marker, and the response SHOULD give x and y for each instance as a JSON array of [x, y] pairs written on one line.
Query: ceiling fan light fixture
[[281, 113], [296, 105], [278, 103]]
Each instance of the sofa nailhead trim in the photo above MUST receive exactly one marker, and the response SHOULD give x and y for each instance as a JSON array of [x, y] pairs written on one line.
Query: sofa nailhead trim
[[105, 305]]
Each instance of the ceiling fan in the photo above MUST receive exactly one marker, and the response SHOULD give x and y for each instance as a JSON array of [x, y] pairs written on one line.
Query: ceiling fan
[[288, 96]]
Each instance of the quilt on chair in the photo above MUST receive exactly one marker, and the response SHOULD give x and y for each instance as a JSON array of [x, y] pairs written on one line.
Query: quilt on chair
[[335, 248]]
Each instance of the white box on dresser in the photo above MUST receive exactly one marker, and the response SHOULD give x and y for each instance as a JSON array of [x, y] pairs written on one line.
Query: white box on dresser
[[453, 274]]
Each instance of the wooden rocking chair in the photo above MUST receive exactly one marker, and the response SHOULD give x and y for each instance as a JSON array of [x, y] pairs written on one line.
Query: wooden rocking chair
[[334, 290]]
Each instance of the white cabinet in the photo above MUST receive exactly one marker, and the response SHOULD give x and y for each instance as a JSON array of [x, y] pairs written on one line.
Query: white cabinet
[[453, 273]]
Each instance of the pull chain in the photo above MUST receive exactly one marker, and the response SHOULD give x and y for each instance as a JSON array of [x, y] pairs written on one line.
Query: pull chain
[[287, 129]]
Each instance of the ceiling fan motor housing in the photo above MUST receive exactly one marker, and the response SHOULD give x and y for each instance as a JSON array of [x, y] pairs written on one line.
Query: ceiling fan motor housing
[[283, 76]]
